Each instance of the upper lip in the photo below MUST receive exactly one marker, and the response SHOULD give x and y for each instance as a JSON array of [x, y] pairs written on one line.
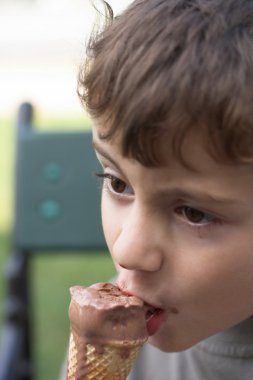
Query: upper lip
[[149, 305]]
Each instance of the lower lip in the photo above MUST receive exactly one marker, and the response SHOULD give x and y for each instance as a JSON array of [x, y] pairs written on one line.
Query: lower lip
[[155, 321]]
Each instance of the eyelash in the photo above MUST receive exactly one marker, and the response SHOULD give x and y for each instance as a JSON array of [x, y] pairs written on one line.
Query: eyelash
[[181, 211], [211, 220], [107, 182]]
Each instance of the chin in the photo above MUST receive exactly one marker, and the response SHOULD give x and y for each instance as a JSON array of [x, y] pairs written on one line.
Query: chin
[[172, 342], [168, 346]]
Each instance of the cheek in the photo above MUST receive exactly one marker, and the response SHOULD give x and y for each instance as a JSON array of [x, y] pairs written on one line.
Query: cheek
[[110, 221], [208, 278], [222, 282]]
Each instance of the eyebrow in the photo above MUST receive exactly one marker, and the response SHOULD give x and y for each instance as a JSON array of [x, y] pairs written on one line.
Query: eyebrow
[[100, 150], [192, 194]]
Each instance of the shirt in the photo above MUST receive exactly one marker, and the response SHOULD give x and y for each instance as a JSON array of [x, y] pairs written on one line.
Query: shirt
[[225, 356]]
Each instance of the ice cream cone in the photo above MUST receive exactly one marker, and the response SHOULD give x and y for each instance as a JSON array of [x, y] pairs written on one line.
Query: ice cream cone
[[107, 330], [109, 362]]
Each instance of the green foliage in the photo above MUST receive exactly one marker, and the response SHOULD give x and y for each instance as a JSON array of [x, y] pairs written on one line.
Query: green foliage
[[53, 274], [6, 173]]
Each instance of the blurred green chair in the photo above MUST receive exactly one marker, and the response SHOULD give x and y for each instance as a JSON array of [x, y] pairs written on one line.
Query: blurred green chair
[[57, 207]]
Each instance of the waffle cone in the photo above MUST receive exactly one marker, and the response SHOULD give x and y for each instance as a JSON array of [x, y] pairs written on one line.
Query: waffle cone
[[107, 362]]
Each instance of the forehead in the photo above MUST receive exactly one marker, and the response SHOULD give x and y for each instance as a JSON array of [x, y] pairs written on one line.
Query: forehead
[[189, 151], [156, 146], [199, 165]]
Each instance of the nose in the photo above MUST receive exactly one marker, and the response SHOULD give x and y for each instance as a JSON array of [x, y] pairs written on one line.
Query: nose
[[139, 243]]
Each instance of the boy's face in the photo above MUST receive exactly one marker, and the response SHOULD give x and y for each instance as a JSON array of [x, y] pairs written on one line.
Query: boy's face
[[181, 239]]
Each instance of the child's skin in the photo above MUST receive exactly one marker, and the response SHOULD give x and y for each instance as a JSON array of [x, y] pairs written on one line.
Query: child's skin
[[181, 238], [171, 77]]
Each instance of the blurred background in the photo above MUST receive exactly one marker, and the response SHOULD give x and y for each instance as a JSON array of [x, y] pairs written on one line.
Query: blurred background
[[42, 43]]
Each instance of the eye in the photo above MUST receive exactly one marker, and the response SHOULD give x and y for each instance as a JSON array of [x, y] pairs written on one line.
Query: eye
[[115, 184], [195, 216]]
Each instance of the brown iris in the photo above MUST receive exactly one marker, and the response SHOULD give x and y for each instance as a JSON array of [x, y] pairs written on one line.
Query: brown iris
[[117, 185], [193, 215]]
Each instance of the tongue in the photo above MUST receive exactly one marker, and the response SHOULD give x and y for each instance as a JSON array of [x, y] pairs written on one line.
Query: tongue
[[154, 320]]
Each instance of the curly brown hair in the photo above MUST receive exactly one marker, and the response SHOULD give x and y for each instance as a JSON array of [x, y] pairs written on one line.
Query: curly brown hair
[[163, 67]]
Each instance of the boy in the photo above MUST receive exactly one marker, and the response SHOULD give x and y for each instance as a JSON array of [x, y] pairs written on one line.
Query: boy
[[169, 86]]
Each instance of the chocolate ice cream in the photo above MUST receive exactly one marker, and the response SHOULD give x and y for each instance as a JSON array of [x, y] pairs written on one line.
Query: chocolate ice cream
[[102, 316]]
